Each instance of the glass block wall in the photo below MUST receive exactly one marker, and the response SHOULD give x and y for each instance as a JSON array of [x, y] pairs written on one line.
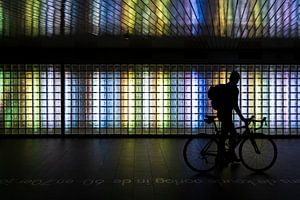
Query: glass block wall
[[134, 99], [30, 99], [140, 99], [230, 19]]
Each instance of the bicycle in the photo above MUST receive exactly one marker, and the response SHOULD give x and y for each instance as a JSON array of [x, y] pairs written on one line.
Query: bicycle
[[256, 152]]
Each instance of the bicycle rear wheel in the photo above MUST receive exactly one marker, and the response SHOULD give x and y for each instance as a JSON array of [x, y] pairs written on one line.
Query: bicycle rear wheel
[[200, 154], [258, 154]]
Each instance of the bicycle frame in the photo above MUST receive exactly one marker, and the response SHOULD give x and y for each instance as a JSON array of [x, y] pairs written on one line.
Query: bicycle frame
[[247, 132]]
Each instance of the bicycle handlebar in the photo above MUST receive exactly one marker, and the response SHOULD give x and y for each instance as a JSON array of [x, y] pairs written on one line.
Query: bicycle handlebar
[[251, 119], [210, 119]]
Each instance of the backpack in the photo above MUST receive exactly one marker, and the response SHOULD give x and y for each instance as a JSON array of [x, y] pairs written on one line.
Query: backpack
[[215, 94]]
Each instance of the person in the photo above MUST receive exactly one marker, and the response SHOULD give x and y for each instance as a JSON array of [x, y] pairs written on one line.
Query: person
[[228, 103]]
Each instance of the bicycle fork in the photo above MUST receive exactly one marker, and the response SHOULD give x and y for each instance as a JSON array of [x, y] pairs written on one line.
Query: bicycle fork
[[205, 152], [254, 145]]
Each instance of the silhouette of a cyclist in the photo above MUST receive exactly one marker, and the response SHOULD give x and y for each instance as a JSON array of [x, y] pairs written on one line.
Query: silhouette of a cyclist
[[228, 103]]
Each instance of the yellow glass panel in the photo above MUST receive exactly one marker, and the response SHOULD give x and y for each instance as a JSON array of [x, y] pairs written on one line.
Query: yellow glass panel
[[129, 15]]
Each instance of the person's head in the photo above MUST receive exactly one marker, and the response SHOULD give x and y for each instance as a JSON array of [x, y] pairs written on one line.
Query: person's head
[[234, 77]]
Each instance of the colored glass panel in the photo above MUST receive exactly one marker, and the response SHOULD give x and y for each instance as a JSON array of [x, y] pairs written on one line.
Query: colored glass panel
[[141, 99], [129, 15], [220, 18], [28, 98], [32, 17], [1, 18]]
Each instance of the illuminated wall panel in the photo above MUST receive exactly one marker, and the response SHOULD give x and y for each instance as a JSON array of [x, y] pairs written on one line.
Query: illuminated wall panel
[[141, 99], [172, 99], [1, 18], [197, 16], [133, 99], [30, 99], [129, 15], [31, 17], [95, 16], [220, 18], [147, 21]]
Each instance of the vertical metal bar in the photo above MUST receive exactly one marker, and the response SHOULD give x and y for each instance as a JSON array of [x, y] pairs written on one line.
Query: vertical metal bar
[[25, 105], [269, 113], [106, 100], [10, 99], [113, 99], [2, 126], [289, 96], [297, 97], [18, 76], [47, 98], [40, 105], [262, 108], [62, 104], [276, 106], [191, 99], [100, 98], [32, 101]]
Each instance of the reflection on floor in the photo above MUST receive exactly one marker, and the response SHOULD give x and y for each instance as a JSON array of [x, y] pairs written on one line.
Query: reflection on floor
[[134, 169]]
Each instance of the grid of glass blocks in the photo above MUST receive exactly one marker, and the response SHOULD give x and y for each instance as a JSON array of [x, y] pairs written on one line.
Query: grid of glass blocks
[[230, 19], [141, 98], [134, 99], [172, 99], [30, 99]]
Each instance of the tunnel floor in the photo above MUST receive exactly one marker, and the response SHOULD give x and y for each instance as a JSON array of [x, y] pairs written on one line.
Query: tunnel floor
[[135, 169]]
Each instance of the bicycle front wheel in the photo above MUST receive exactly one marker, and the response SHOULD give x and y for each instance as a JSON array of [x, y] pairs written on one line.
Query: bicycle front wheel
[[258, 154], [200, 154]]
